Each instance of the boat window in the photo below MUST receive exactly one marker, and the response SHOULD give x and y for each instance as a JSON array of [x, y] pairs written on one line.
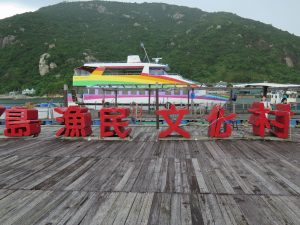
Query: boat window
[[92, 91], [157, 71], [185, 92], [123, 71], [83, 71], [176, 92]]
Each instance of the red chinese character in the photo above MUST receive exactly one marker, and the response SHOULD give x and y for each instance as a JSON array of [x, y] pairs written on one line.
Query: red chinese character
[[258, 118], [2, 109], [173, 126], [216, 119], [77, 121], [113, 118], [21, 122], [280, 126]]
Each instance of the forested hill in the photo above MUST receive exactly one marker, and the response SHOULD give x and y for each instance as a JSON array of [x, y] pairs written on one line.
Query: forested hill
[[41, 49]]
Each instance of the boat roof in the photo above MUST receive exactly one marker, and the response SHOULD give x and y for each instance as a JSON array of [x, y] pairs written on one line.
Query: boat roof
[[266, 84], [132, 61], [104, 64]]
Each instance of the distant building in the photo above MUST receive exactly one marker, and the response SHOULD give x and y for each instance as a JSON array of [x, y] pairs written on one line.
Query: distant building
[[13, 93], [28, 92], [221, 84]]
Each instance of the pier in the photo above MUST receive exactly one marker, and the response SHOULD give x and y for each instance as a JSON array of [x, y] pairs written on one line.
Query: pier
[[48, 180]]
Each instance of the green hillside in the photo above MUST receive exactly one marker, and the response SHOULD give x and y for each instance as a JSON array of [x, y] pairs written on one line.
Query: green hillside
[[205, 47]]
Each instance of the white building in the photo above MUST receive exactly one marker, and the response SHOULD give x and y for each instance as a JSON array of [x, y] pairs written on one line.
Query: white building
[[28, 92]]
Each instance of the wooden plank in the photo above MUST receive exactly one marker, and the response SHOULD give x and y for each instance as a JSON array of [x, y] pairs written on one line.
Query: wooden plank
[[37, 208], [103, 209], [154, 183], [185, 210], [266, 181], [63, 212], [146, 184], [196, 210], [177, 179], [165, 209], [175, 209], [233, 210], [184, 177], [154, 212], [135, 210], [125, 178], [146, 209], [125, 209], [4, 193], [113, 211], [199, 176], [15, 206], [226, 214], [205, 210], [170, 179], [82, 208]]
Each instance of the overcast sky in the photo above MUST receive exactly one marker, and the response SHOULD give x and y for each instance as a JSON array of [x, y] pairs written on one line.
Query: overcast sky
[[283, 14]]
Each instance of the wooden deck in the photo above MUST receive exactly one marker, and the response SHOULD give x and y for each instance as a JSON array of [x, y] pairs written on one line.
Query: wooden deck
[[49, 181]]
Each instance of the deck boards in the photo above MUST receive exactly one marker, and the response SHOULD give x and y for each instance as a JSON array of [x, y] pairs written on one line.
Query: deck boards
[[46, 180]]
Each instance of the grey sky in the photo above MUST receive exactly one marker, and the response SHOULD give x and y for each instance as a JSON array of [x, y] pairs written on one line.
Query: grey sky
[[283, 14]]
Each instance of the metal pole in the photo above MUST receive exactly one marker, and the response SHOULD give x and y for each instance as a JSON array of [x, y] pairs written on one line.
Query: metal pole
[[192, 101], [230, 101], [116, 98], [188, 95], [65, 95], [157, 107], [265, 90], [149, 98]]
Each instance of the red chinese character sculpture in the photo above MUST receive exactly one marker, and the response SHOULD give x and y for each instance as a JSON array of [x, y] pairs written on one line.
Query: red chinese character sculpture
[[216, 119], [21, 122], [113, 118], [258, 118], [280, 126], [173, 126], [2, 109], [77, 121]]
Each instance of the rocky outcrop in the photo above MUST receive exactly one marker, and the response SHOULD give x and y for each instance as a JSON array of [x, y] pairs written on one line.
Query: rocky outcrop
[[100, 8], [177, 16], [52, 65], [126, 16], [8, 40], [51, 46], [88, 57], [44, 66], [289, 61]]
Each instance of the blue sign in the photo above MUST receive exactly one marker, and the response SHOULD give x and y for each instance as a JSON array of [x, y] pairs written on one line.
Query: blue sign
[[193, 95]]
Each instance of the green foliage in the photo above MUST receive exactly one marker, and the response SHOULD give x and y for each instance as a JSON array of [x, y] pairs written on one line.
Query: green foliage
[[205, 47]]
